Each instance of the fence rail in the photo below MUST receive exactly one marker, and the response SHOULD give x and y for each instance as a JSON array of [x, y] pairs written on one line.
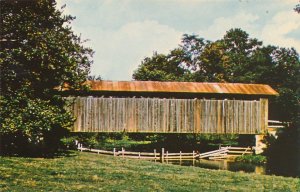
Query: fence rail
[[276, 124], [222, 153]]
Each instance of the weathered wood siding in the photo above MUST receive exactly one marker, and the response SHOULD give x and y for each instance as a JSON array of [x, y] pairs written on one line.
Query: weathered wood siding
[[169, 115]]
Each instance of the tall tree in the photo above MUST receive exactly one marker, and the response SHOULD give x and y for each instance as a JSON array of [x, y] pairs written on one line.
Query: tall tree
[[162, 67], [232, 57], [39, 53]]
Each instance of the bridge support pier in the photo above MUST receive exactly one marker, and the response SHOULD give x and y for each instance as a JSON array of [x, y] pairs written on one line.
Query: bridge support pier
[[259, 145]]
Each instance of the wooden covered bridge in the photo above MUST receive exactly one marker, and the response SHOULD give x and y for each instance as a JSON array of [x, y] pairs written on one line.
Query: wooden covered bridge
[[172, 107]]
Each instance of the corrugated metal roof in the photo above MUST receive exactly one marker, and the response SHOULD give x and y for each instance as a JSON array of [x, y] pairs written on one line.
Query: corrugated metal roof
[[181, 87]]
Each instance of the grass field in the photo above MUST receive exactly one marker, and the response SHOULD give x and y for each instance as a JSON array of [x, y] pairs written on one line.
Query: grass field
[[92, 172]]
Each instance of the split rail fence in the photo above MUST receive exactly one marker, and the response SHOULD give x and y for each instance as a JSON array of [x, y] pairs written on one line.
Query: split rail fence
[[222, 153]]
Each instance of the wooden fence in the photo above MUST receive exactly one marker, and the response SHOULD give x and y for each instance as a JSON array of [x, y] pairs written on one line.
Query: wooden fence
[[222, 153], [156, 115]]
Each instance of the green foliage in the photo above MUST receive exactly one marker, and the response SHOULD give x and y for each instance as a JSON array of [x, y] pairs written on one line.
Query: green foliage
[[217, 139], [69, 143], [39, 53], [127, 144], [32, 117], [228, 59], [178, 65], [254, 159], [31, 126], [161, 68]]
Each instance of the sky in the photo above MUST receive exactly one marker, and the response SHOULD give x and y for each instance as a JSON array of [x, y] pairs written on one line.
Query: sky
[[123, 32]]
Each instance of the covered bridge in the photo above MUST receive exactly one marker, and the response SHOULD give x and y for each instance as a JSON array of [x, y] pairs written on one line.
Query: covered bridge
[[172, 107]]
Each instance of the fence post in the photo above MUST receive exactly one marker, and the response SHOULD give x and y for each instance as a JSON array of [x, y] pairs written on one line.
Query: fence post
[[154, 154], [81, 147], [194, 157], [123, 150], [139, 155], [180, 155], [162, 154], [114, 150]]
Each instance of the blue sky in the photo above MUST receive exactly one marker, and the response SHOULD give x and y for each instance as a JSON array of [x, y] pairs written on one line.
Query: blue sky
[[123, 32]]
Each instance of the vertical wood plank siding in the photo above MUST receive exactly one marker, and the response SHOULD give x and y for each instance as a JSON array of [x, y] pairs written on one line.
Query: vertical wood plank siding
[[169, 115]]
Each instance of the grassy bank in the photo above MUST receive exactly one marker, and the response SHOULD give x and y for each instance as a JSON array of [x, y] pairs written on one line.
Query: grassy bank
[[92, 172]]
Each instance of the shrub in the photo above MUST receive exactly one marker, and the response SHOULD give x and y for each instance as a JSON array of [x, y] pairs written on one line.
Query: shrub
[[254, 159], [69, 142]]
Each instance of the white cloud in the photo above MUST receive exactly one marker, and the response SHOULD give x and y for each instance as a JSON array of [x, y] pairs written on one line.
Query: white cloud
[[277, 30], [274, 31], [245, 21], [119, 52]]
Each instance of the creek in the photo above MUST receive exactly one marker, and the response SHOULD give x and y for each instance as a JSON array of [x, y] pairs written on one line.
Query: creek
[[233, 166]]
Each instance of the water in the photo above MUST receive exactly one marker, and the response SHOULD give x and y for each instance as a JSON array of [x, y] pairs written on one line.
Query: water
[[222, 165], [286, 169]]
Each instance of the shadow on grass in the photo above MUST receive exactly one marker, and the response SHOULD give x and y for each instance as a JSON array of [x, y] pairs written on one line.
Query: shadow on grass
[[58, 154]]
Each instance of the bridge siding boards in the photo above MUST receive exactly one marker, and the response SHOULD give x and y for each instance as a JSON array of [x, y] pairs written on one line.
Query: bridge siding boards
[[155, 115]]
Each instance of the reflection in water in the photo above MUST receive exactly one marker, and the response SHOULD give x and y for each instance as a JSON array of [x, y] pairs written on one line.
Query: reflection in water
[[287, 170], [221, 165]]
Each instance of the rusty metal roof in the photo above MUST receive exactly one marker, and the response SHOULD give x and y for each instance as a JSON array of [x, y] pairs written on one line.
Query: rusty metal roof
[[181, 87]]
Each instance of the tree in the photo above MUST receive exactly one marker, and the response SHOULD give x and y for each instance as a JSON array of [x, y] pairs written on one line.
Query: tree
[[39, 53], [178, 65], [229, 59], [161, 68]]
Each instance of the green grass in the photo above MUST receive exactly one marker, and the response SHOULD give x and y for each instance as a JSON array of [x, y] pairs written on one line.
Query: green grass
[[92, 172]]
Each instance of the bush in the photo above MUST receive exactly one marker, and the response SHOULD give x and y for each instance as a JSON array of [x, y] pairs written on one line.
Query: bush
[[254, 159], [31, 126], [69, 143]]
